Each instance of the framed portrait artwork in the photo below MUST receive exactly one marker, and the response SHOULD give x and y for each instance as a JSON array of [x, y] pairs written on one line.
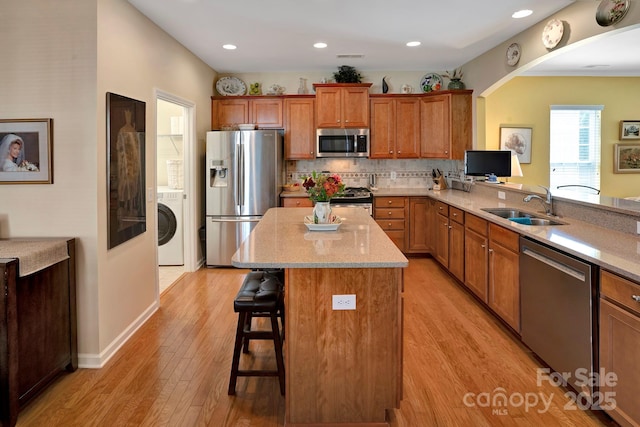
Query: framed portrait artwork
[[517, 139], [125, 168], [629, 129], [26, 155], [627, 158]]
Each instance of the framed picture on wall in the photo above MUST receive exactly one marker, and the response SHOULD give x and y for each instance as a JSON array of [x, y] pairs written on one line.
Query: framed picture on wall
[[26, 155], [517, 139], [629, 129], [126, 169], [627, 158]]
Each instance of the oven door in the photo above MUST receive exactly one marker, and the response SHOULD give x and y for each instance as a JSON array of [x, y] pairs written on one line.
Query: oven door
[[367, 206]]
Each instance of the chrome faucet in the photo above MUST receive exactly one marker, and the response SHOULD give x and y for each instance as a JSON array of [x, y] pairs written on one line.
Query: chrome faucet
[[547, 203]]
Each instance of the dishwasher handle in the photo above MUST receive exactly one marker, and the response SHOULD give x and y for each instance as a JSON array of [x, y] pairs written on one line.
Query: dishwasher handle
[[555, 264]]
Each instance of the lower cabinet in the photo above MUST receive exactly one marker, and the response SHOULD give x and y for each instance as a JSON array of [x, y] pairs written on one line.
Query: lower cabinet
[[390, 214], [419, 225], [441, 225], [296, 202], [456, 243], [476, 251], [619, 347], [504, 275]]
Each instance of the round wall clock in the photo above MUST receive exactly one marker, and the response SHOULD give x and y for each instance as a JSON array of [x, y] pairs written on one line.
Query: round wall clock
[[552, 33], [513, 54]]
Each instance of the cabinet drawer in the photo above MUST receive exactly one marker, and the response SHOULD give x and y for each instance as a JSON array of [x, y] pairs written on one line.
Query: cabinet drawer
[[389, 202], [504, 237], [442, 208], [476, 224], [620, 290], [393, 213], [296, 202], [456, 214], [391, 224]]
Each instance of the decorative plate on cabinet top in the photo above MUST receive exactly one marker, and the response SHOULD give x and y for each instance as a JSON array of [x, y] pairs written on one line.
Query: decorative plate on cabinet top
[[513, 54], [552, 33], [611, 11], [431, 82], [231, 86]]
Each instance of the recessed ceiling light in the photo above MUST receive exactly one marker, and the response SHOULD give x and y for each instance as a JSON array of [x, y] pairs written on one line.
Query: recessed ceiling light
[[229, 46], [522, 13], [320, 45], [413, 44]]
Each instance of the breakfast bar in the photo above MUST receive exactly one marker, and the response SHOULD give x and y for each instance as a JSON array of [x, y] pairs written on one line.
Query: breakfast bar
[[343, 364]]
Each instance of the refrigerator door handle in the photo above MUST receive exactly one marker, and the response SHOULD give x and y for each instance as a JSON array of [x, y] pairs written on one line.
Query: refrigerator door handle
[[238, 219], [240, 172]]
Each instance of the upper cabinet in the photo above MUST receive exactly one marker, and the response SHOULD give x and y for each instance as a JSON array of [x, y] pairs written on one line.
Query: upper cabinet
[[395, 128], [342, 105], [265, 112], [446, 125], [299, 129]]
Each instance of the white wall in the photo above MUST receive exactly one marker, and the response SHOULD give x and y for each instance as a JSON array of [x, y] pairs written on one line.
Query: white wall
[[58, 61], [48, 70]]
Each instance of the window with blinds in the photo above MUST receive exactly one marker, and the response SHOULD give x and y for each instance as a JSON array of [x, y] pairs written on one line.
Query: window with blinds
[[574, 154]]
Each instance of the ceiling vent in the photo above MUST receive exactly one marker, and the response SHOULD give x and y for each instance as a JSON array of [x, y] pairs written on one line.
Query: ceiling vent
[[350, 56]]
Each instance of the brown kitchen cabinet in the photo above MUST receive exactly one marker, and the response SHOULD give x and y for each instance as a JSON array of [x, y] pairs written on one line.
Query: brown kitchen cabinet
[[296, 202], [342, 105], [395, 128], [476, 249], [446, 125], [266, 112], [619, 347], [456, 243], [418, 225], [504, 275], [300, 129], [390, 214], [442, 234]]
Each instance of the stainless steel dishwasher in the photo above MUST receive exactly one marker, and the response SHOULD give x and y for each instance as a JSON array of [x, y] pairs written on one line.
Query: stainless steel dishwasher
[[557, 311]]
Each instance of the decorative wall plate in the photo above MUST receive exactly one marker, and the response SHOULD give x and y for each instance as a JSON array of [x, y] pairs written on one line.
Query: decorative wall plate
[[611, 11], [431, 82], [513, 54], [552, 33], [231, 86]]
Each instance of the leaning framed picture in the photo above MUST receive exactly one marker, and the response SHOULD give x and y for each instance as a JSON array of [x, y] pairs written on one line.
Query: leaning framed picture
[[518, 140], [627, 158], [125, 168], [26, 155], [629, 129]]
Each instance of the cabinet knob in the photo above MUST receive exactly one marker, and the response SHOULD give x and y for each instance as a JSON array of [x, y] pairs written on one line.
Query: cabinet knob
[[338, 121], [490, 251], [389, 202], [389, 212], [483, 246], [390, 151], [446, 152], [636, 298], [450, 227], [455, 214], [398, 151]]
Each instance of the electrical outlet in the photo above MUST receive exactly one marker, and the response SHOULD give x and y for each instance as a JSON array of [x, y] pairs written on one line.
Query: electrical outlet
[[393, 175], [638, 227], [343, 302], [501, 205], [502, 195], [151, 193]]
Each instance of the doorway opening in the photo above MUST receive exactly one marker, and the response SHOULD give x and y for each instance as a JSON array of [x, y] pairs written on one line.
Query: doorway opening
[[174, 181]]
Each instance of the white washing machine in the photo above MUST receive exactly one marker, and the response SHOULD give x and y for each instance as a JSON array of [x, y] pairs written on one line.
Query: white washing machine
[[170, 224]]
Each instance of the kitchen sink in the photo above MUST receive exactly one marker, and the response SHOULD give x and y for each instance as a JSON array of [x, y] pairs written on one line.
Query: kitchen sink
[[522, 217]]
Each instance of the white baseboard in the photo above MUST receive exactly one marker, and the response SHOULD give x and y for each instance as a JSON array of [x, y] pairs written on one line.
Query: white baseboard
[[97, 361]]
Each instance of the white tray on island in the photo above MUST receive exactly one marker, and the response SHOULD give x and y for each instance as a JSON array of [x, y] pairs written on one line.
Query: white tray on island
[[332, 226]]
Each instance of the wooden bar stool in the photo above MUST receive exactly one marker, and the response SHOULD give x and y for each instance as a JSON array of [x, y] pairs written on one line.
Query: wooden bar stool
[[261, 295]]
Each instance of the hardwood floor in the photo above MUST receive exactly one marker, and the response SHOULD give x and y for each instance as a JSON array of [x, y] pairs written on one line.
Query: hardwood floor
[[175, 370]]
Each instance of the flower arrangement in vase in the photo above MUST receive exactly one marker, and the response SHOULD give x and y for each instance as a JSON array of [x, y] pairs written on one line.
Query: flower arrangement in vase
[[321, 188]]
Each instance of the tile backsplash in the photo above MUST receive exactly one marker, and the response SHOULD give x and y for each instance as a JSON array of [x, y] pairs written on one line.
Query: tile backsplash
[[406, 173]]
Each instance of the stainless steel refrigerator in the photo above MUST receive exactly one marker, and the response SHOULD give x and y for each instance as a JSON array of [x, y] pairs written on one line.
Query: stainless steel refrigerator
[[244, 174]]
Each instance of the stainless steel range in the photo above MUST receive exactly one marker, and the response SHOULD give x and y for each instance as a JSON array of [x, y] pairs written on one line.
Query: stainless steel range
[[354, 197]]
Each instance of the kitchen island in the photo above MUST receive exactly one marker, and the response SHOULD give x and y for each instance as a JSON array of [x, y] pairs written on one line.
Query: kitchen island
[[342, 366]]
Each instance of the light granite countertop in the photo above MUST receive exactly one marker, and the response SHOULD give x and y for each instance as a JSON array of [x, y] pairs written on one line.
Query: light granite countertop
[[613, 250], [282, 240]]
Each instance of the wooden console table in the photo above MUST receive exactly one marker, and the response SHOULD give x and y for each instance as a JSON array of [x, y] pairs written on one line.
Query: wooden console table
[[38, 334]]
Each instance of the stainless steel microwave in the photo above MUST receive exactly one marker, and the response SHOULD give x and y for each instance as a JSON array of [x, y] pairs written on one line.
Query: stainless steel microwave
[[342, 143]]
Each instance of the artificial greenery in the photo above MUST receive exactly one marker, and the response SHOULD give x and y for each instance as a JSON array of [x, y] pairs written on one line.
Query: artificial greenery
[[347, 74]]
